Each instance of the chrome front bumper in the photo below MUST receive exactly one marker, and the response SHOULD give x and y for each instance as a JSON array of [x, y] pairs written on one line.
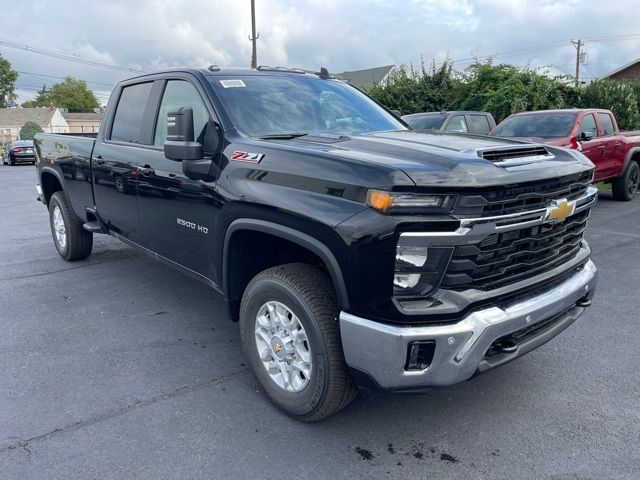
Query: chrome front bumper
[[380, 350]]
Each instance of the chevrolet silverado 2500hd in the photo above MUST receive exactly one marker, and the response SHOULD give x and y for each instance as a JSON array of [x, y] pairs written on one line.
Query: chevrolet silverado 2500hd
[[352, 250]]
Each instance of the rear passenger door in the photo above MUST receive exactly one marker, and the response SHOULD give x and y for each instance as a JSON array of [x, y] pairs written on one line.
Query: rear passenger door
[[117, 157], [456, 123], [478, 124], [177, 213], [612, 155]]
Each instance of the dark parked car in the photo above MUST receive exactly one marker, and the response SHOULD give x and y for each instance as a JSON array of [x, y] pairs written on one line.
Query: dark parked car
[[351, 249], [19, 151], [478, 123]]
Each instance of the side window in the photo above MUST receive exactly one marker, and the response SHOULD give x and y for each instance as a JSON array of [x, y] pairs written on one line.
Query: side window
[[180, 93], [479, 124], [588, 125], [127, 122], [457, 124], [606, 122]]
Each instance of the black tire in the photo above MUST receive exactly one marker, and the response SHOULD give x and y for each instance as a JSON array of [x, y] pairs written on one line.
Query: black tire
[[12, 161], [79, 242], [626, 187], [308, 293]]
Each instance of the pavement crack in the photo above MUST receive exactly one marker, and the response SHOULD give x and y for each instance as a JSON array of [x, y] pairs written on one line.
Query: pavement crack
[[109, 414], [21, 277]]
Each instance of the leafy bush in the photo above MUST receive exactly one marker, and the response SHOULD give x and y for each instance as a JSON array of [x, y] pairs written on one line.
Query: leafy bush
[[411, 91], [619, 97], [506, 89], [29, 130]]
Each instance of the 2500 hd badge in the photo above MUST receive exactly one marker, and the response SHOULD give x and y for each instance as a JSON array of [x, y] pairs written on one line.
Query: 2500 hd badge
[[191, 225]]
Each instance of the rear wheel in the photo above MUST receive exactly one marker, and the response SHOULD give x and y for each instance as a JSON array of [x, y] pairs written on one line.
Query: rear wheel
[[71, 240], [626, 187], [12, 160], [290, 336]]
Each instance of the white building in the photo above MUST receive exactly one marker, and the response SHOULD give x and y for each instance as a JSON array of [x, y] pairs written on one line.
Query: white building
[[13, 119]]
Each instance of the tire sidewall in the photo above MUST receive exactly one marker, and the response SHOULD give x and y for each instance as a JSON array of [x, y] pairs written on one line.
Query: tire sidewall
[[273, 289], [632, 166], [55, 202]]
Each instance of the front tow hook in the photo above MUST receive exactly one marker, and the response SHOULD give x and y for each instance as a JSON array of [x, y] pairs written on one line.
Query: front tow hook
[[583, 302]]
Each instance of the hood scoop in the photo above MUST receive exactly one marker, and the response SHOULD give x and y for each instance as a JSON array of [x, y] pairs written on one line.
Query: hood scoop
[[510, 156]]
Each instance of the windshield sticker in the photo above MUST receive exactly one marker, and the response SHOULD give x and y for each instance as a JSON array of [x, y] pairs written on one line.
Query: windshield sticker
[[232, 83]]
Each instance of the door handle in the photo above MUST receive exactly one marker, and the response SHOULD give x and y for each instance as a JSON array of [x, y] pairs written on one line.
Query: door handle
[[146, 170], [601, 147], [98, 160]]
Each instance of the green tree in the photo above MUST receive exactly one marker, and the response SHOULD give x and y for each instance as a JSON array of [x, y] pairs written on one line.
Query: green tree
[[619, 97], [506, 89], [71, 93], [411, 91], [29, 130], [8, 77]]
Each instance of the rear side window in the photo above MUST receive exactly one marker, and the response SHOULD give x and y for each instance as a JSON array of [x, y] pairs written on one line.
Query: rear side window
[[457, 124], [479, 124], [606, 122], [127, 122], [588, 125]]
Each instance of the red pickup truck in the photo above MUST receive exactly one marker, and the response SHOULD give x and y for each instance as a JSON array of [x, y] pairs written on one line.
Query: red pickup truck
[[594, 132]]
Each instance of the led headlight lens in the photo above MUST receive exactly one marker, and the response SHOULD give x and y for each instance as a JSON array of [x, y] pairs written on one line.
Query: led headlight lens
[[394, 201], [419, 268]]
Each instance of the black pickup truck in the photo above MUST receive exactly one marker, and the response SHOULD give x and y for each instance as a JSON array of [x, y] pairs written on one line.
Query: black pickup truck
[[352, 250]]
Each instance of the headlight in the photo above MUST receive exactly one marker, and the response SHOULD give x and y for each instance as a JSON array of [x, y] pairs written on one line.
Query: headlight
[[410, 202], [419, 268]]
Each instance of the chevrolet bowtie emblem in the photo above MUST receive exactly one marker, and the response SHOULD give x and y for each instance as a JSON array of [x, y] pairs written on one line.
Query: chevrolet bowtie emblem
[[277, 348], [560, 210]]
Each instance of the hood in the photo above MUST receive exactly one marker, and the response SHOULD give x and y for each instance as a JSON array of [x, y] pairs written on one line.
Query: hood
[[449, 160]]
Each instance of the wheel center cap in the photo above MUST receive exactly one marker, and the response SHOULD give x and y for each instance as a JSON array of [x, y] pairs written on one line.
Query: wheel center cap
[[277, 345]]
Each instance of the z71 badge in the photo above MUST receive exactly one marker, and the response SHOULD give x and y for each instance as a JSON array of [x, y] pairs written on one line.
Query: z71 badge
[[247, 157]]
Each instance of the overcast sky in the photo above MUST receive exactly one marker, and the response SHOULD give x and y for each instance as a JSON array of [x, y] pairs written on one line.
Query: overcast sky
[[340, 35]]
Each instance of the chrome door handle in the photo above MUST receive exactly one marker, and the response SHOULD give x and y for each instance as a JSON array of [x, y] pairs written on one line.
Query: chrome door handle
[[146, 170]]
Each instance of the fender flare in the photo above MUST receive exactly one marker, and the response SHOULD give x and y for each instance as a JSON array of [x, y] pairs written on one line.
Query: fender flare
[[59, 177], [295, 236], [632, 151]]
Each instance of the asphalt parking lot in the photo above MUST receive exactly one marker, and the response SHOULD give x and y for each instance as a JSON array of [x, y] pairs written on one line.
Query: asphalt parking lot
[[120, 367]]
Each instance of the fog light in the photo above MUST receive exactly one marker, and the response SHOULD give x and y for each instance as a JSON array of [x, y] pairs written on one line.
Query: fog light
[[420, 354]]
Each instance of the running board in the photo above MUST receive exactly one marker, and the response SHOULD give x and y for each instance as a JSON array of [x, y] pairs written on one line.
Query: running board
[[95, 226]]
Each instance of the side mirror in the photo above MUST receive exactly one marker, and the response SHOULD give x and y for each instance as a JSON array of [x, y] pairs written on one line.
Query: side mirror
[[586, 136], [180, 144]]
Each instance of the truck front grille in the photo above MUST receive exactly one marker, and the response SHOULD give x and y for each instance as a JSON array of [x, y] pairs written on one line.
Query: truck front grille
[[503, 258], [524, 197]]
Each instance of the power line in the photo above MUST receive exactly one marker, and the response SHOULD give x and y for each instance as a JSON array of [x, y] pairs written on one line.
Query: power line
[[36, 88], [67, 57], [62, 78]]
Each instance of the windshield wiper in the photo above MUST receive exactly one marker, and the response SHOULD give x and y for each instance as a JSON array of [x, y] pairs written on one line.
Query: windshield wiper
[[283, 136]]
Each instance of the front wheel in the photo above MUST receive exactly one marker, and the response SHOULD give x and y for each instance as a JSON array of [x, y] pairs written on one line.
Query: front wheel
[[71, 240], [290, 336], [626, 187]]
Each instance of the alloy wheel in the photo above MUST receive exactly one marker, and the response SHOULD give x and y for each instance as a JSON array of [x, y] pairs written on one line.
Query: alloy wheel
[[283, 346]]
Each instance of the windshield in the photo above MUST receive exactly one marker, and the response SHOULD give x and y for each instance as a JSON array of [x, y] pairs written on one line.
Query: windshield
[[543, 125], [272, 105], [425, 122]]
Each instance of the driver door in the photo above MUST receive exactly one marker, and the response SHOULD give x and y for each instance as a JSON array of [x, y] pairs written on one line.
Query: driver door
[[591, 148], [177, 213]]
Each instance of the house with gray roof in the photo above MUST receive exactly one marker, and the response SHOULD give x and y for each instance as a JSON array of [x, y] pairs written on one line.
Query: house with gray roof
[[13, 119], [367, 77]]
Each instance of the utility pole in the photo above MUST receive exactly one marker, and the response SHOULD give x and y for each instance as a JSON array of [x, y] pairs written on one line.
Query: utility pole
[[253, 37], [579, 44]]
